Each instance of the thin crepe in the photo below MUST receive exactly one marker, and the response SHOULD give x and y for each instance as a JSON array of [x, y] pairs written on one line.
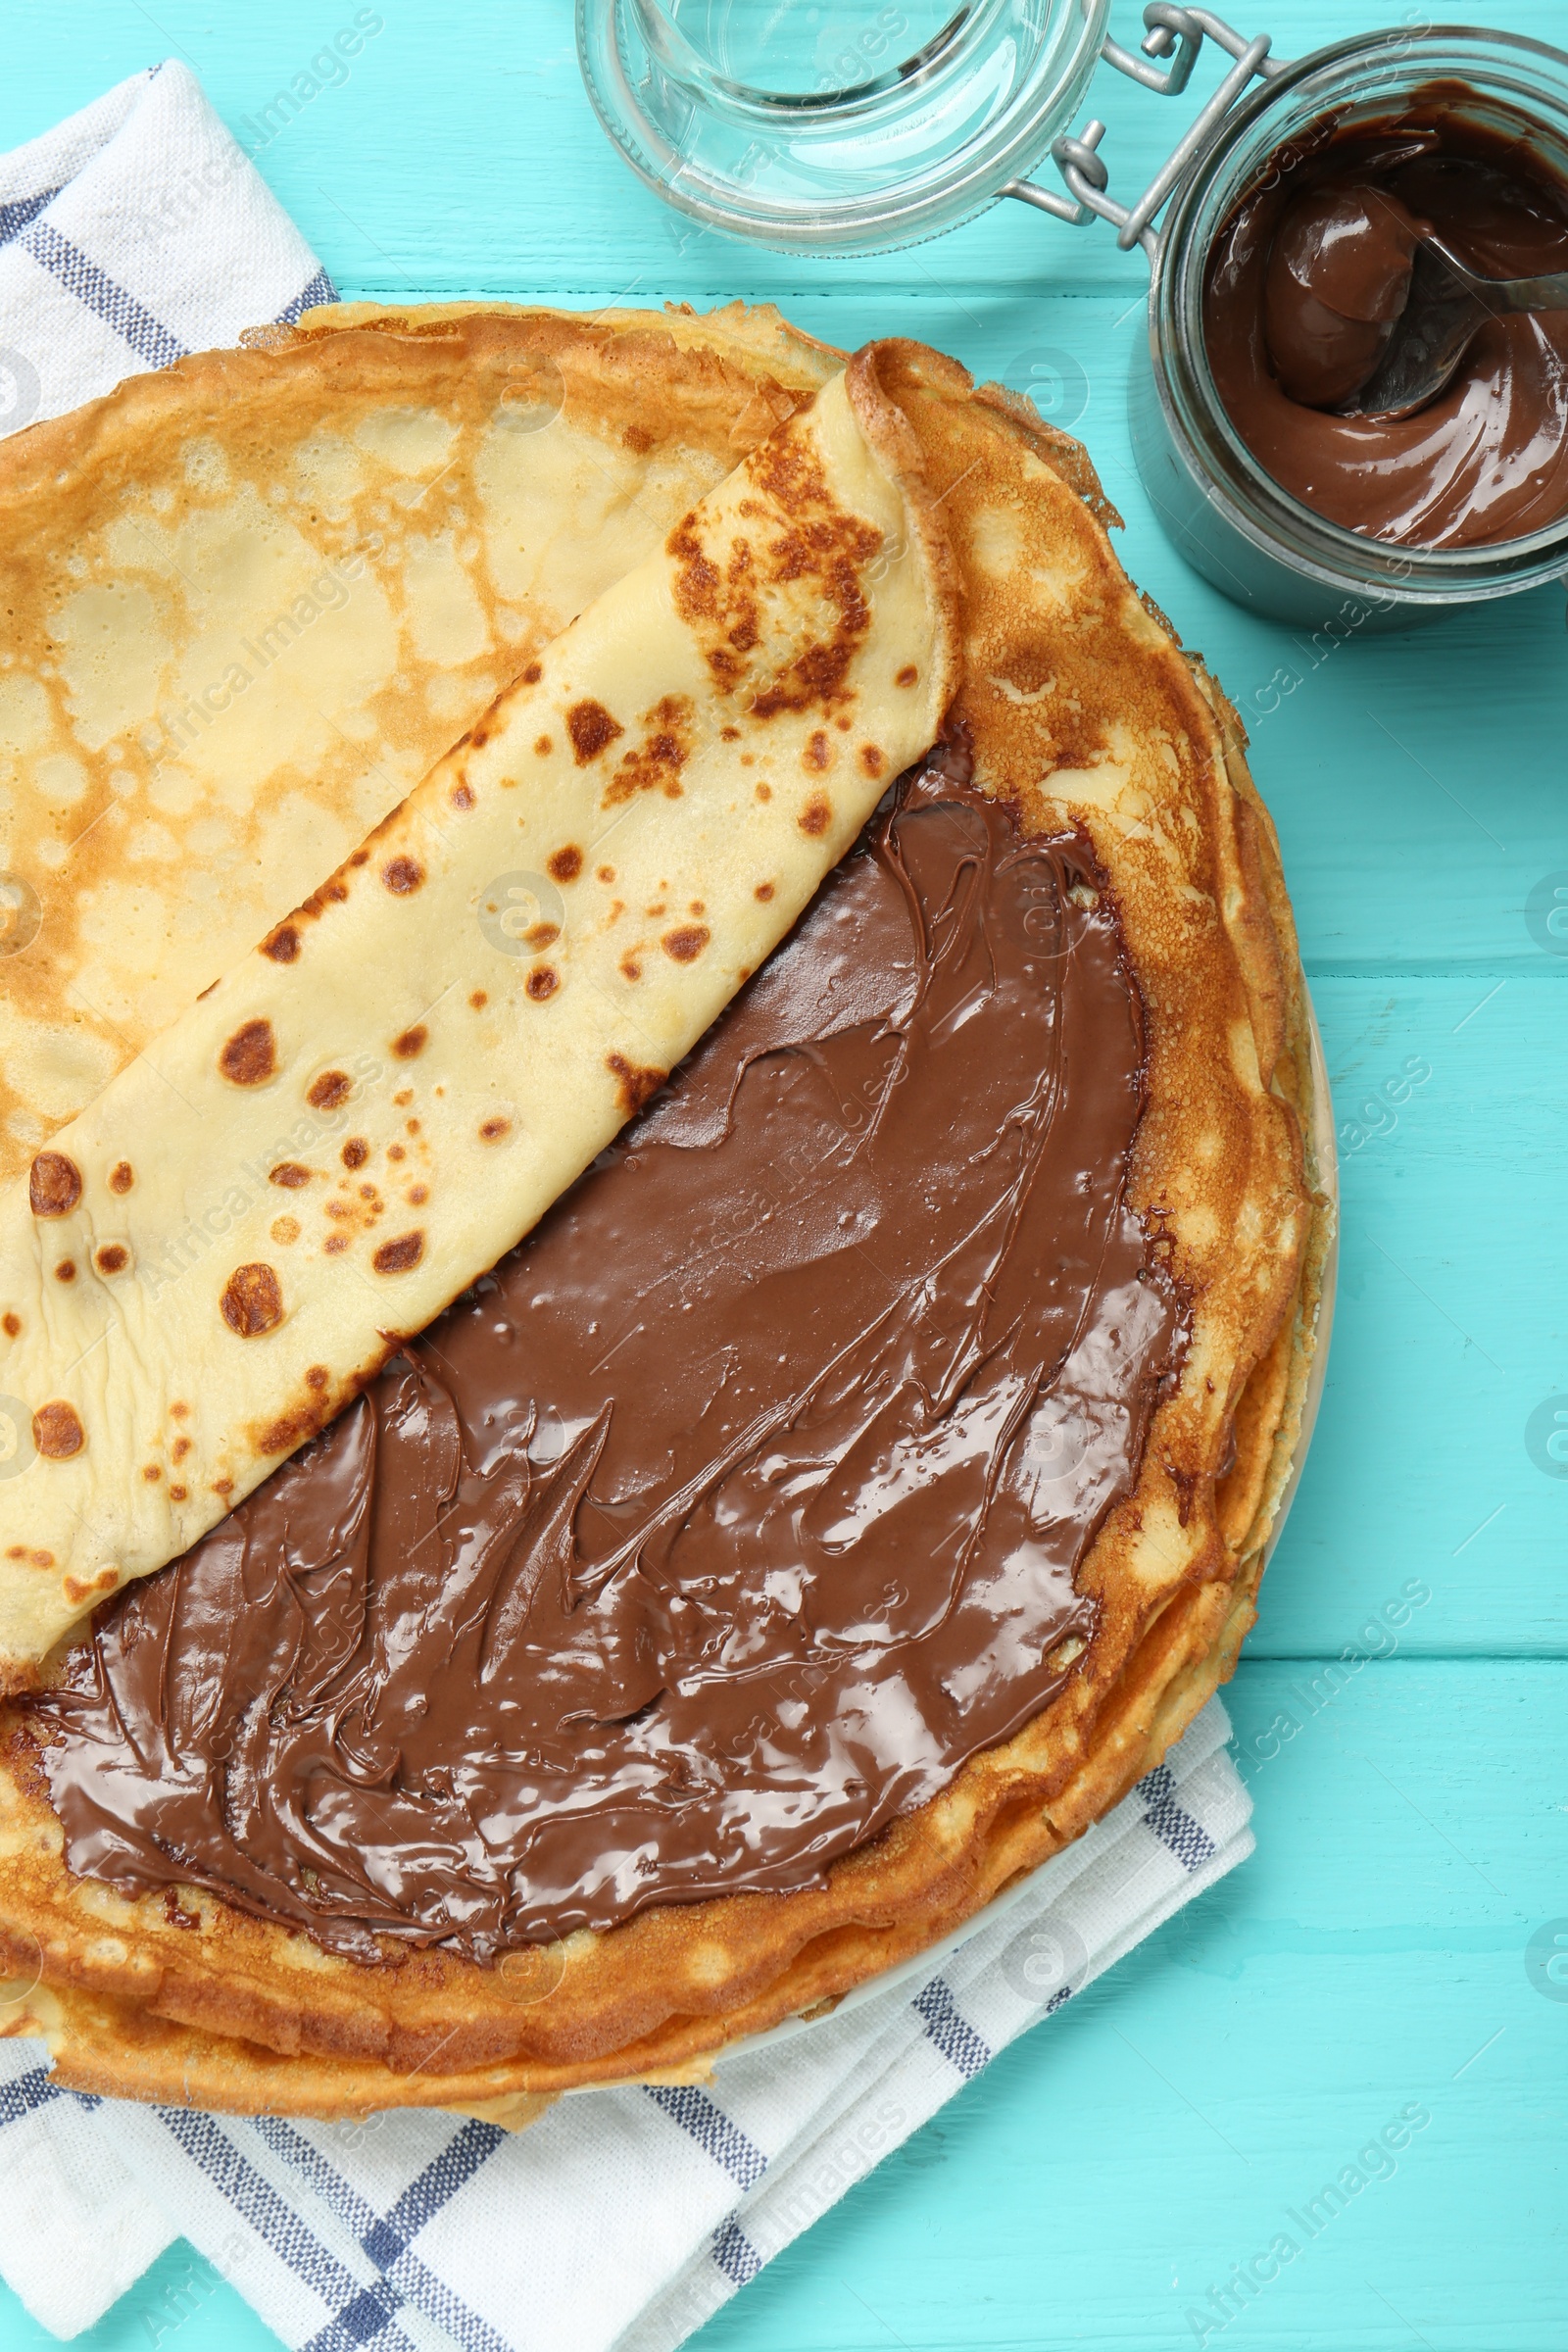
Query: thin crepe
[[360, 1117], [249, 600]]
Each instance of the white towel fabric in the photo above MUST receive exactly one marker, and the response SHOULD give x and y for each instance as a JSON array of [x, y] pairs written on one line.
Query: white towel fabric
[[134, 232], [623, 2219]]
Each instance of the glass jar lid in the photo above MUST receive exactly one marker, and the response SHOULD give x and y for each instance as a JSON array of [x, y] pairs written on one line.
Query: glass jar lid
[[836, 126]]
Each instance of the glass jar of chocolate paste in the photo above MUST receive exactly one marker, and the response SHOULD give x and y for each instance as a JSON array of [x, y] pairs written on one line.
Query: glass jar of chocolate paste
[[1207, 413]]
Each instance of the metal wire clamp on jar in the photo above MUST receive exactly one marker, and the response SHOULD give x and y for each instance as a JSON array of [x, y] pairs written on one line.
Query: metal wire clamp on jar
[[918, 147]]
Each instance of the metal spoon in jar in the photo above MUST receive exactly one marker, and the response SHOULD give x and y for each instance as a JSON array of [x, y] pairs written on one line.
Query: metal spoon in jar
[[1446, 306]]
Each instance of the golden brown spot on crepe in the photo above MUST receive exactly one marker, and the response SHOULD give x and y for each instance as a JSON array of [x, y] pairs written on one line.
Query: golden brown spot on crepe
[[729, 734], [397, 1256], [698, 907], [656, 763], [181, 1447], [494, 1129], [402, 875], [822, 544], [542, 935], [630, 967], [250, 1056], [356, 1152], [339, 1210], [152, 1473], [396, 1151], [697, 582], [479, 1000], [403, 1096], [57, 1432], [361, 858], [461, 796], [283, 944], [872, 759], [252, 1302], [112, 1258], [532, 674], [65, 1271], [336, 1242], [222, 1486], [317, 1376], [818, 752], [566, 864], [121, 1177], [478, 734], [284, 1231], [636, 1083], [417, 1195], [54, 1184], [542, 982], [687, 944], [411, 1126], [908, 675], [329, 1089], [542, 746], [178, 1494], [178, 1411], [291, 1175], [816, 816], [12, 1322], [332, 893], [763, 891], [765, 792], [592, 730], [844, 725], [638, 438], [606, 873], [368, 1192], [412, 1042], [76, 1590]]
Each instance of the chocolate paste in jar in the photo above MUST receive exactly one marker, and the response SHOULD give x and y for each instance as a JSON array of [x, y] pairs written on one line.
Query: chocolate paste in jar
[[1305, 280]]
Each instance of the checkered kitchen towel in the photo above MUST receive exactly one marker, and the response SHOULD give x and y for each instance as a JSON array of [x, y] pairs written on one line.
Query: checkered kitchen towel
[[624, 2217], [135, 232]]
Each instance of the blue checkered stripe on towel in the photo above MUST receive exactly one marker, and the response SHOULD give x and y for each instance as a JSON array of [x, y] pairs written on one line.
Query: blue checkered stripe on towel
[[151, 341]]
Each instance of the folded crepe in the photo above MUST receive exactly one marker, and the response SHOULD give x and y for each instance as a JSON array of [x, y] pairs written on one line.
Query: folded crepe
[[251, 598], [360, 1117]]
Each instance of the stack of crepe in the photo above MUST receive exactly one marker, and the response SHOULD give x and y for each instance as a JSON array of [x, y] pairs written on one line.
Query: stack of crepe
[[414, 730]]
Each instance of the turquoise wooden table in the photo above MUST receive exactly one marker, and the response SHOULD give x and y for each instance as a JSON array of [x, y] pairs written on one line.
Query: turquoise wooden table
[[1385, 1947]]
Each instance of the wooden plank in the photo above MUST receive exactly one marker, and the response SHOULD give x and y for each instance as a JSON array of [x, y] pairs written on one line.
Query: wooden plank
[[460, 152], [1108, 2171], [1450, 1331]]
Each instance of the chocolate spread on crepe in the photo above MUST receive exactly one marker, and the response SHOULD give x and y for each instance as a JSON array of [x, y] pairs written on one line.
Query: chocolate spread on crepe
[[1305, 281], [738, 1508]]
